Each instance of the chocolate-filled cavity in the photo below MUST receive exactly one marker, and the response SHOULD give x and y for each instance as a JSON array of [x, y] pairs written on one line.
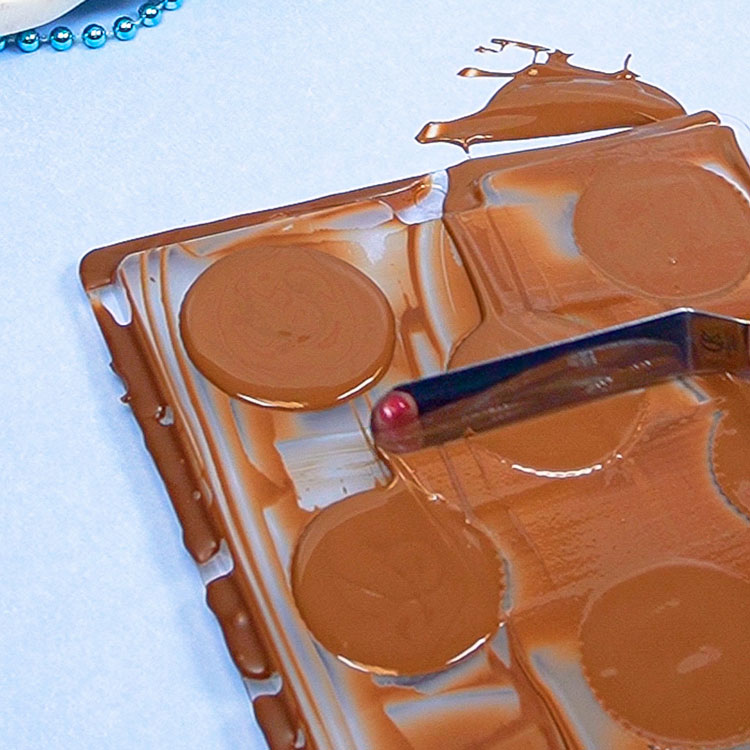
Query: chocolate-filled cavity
[[730, 439], [565, 440], [289, 327], [730, 459], [672, 230], [668, 653], [396, 582]]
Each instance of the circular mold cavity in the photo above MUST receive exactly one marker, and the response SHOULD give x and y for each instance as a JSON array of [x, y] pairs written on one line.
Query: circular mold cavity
[[288, 327], [667, 653], [394, 582], [670, 230], [729, 456], [576, 440]]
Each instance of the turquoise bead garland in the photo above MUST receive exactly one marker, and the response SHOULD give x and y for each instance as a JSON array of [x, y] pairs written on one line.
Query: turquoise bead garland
[[150, 14], [28, 41], [125, 28], [61, 38], [95, 35]]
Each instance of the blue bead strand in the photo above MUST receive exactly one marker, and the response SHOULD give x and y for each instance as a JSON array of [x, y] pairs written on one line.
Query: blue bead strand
[[95, 35], [61, 38], [125, 28], [28, 41], [150, 14]]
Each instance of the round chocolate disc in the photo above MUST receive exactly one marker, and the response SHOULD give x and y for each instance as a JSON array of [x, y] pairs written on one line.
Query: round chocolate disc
[[290, 327], [395, 582], [668, 653], [672, 230]]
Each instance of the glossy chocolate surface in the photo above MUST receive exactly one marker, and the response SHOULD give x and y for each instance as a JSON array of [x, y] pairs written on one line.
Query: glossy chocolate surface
[[554, 97], [577, 580], [291, 328]]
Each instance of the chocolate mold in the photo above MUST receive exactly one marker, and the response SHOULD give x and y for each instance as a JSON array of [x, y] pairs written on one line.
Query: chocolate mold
[[473, 262]]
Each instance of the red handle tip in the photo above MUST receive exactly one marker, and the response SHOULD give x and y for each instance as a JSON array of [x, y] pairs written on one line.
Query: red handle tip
[[394, 410]]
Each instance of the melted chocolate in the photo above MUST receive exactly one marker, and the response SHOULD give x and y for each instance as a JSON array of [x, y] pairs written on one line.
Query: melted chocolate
[[667, 222], [563, 441], [594, 512], [555, 98], [287, 327], [729, 443], [668, 652], [396, 582], [146, 397], [226, 602]]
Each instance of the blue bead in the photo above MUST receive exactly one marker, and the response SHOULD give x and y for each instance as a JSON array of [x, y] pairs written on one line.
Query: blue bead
[[94, 36], [28, 41], [61, 38], [172, 4], [3, 42], [125, 28], [150, 14]]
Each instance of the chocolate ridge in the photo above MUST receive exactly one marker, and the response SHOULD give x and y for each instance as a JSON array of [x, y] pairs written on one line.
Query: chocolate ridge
[[229, 597], [146, 397], [98, 266]]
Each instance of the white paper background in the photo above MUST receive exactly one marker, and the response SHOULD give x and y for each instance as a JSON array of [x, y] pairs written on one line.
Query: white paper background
[[227, 107]]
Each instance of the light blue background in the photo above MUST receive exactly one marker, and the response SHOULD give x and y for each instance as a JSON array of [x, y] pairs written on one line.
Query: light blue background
[[227, 107]]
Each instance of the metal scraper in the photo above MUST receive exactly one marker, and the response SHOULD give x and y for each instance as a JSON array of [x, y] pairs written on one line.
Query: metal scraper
[[443, 407]]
